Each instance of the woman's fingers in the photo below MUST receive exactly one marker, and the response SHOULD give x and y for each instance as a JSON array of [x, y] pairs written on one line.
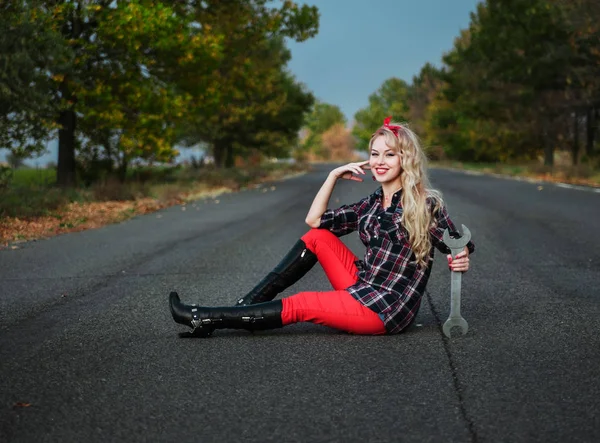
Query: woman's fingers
[[346, 171], [350, 176], [460, 263], [461, 254], [352, 169]]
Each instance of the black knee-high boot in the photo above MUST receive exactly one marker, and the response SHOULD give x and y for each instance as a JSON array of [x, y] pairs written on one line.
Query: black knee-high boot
[[204, 320], [296, 263]]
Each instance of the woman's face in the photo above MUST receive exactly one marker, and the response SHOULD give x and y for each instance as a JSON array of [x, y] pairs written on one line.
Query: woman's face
[[384, 161]]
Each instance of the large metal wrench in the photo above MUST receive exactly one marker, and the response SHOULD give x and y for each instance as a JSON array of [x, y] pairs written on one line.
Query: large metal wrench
[[455, 320]]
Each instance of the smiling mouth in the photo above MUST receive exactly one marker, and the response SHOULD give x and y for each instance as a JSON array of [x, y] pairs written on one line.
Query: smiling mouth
[[380, 171]]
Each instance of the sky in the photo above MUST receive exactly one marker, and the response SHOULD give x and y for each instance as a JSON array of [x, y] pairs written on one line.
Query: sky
[[362, 43]]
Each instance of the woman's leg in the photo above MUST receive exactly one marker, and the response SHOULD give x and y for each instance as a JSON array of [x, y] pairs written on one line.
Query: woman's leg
[[292, 267], [335, 257], [337, 261], [203, 320], [336, 309]]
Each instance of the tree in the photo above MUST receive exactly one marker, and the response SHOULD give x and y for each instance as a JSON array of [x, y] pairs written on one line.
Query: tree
[[321, 118], [126, 53], [250, 82], [583, 79], [505, 83], [120, 81], [337, 143], [421, 93], [15, 161], [109, 54], [391, 99], [29, 49]]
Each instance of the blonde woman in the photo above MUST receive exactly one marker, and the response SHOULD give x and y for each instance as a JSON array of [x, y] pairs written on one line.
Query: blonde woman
[[399, 224]]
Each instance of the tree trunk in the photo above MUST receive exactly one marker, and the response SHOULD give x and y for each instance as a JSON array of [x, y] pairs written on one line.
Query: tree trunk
[[229, 163], [222, 151], [548, 142], [575, 147], [591, 132], [65, 171], [123, 169]]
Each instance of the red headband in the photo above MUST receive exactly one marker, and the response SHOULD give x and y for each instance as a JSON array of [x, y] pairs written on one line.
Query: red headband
[[394, 128]]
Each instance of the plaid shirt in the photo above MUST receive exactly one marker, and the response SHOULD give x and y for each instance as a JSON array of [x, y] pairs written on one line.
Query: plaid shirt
[[389, 281]]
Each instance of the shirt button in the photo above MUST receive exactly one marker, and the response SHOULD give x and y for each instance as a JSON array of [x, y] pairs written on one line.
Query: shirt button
[[378, 217], [375, 237]]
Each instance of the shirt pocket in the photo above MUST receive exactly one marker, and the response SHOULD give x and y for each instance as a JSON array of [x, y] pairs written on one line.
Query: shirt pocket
[[370, 229], [396, 231]]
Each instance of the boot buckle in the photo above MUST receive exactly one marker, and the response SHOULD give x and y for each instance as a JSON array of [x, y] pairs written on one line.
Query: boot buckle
[[251, 319]]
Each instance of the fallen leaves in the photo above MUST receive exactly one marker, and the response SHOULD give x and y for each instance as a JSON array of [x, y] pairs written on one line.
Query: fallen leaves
[[19, 405], [74, 217], [81, 216]]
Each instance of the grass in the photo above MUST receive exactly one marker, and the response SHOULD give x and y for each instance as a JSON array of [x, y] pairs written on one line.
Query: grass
[[30, 207], [30, 192], [33, 177], [584, 174]]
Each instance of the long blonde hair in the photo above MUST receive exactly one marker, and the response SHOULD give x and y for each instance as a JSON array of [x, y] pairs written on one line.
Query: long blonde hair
[[419, 200]]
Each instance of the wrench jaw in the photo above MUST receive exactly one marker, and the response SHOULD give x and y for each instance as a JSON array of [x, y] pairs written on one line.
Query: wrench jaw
[[457, 244], [455, 326]]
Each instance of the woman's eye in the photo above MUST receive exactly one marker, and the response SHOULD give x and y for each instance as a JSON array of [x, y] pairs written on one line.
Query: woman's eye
[[390, 155], [373, 154]]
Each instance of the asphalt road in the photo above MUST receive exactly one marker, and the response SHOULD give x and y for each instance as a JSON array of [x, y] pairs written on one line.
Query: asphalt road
[[89, 352]]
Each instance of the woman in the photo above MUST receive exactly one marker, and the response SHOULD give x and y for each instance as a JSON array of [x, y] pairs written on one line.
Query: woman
[[399, 224]]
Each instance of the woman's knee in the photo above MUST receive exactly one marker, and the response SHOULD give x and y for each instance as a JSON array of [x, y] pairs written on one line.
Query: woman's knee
[[315, 235]]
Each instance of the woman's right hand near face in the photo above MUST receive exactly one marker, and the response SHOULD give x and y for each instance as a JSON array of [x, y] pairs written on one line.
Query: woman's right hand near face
[[351, 171]]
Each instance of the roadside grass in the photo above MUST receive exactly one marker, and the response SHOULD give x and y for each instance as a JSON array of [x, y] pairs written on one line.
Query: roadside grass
[[583, 174], [32, 208], [27, 177]]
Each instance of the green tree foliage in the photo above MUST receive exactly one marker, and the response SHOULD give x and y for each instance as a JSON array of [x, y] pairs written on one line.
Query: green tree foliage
[[513, 81], [119, 81], [28, 50], [322, 117], [118, 84], [421, 93], [390, 99], [258, 103], [583, 24]]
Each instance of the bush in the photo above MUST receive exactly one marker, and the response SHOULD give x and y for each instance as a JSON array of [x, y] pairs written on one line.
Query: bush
[[6, 175], [113, 190], [25, 202]]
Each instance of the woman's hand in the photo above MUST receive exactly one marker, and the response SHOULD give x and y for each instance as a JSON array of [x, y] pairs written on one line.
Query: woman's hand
[[460, 263], [348, 171]]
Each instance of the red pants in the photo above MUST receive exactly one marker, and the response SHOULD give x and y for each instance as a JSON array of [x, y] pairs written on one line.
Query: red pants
[[336, 309]]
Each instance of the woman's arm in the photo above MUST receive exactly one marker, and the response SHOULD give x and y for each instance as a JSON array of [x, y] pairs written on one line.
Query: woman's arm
[[321, 200], [460, 263]]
